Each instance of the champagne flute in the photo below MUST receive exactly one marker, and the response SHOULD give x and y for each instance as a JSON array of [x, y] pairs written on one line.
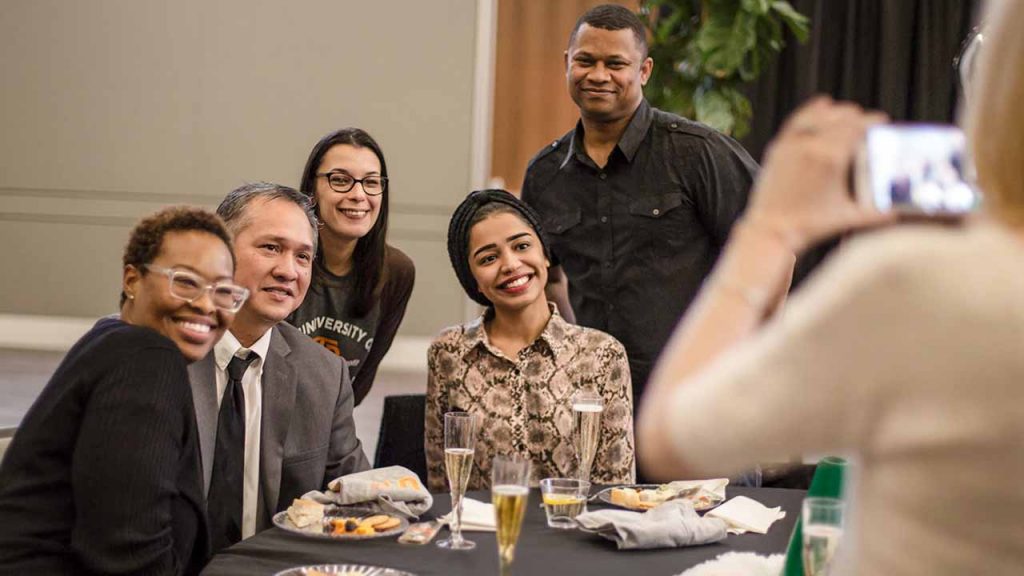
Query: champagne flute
[[586, 429], [459, 446], [822, 530], [510, 489]]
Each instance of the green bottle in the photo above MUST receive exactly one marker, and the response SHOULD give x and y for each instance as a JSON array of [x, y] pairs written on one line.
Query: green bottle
[[828, 482]]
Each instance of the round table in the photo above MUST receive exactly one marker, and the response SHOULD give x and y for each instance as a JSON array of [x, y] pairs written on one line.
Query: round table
[[541, 550]]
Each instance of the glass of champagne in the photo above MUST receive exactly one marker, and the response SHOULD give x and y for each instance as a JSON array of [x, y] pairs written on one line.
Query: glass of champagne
[[822, 530], [459, 446], [510, 488], [586, 429]]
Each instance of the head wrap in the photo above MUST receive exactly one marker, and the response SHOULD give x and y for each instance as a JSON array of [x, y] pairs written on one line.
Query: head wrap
[[458, 234]]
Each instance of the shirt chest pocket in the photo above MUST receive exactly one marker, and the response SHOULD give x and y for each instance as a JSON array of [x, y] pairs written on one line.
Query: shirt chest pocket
[[662, 220], [562, 228]]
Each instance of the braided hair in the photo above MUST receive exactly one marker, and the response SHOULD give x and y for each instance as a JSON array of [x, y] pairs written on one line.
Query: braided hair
[[476, 207]]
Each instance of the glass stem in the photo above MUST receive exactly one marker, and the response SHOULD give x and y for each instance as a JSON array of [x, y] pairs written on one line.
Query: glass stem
[[506, 567], [457, 517]]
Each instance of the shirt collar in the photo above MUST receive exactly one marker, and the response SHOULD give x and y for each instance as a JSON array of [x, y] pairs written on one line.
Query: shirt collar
[[637, 130], [553, 335], [228, 347], [628, 143]]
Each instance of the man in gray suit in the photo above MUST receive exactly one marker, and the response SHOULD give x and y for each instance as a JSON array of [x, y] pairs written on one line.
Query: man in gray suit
[[274, 408]]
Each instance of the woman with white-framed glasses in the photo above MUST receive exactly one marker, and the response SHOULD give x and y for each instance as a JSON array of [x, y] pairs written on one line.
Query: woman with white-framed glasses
[[361, 285], [103, 475]]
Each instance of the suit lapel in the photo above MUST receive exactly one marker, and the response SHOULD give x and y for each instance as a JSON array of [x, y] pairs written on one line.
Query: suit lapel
[[203, 378], [278, 383]]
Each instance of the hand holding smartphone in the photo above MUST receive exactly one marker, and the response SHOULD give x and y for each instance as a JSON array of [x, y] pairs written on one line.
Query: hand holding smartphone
[[915, 169]]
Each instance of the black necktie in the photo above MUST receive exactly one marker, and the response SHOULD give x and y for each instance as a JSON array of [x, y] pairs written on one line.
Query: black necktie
[[224, 501]]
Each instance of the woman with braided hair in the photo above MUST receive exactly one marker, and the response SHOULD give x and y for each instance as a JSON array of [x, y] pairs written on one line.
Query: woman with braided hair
[[517, 365]]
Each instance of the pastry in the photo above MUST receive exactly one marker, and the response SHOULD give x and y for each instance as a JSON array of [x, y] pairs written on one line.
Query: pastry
[[304, 513]]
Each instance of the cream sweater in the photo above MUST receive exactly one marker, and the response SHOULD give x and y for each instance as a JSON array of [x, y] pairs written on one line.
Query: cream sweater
[[907, 351]]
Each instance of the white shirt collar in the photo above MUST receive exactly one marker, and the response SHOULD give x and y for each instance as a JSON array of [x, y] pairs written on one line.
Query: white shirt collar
[[228, 346]]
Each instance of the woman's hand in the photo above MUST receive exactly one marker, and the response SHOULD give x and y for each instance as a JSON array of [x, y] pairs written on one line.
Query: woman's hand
[[803, 194]]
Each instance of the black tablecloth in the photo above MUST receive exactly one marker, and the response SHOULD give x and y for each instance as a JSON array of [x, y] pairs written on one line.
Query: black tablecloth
[[541, 550]]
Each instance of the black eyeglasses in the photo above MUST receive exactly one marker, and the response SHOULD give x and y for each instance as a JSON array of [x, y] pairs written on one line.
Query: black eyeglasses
[[343, 182]]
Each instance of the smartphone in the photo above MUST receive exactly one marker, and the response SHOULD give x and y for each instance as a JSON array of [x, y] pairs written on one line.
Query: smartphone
[[915, 169]]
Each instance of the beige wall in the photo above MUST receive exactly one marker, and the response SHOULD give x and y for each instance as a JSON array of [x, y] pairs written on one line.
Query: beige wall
[[111, 109]]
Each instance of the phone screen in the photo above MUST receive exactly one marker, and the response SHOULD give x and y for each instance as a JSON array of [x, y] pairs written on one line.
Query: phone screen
[[919, 168]]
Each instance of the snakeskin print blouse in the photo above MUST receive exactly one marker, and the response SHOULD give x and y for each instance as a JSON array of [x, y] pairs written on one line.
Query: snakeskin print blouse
[[522, 404]]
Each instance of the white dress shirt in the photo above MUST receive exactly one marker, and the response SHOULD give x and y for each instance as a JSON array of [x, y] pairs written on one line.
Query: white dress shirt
[[252, 387]]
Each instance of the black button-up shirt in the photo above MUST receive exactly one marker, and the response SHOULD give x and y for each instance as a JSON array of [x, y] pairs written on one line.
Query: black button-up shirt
[[637, 237]]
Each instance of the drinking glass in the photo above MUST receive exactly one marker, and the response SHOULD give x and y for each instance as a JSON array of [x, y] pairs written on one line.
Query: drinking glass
[[510, 488], [586, 429], [564, 500], [459, 446], [822, 530]]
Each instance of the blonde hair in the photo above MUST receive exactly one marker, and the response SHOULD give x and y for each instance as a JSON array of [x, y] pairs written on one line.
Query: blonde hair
[[995, 112]]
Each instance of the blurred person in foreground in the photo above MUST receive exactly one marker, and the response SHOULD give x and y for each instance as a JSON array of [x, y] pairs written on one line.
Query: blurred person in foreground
[[517, 366], [274, 408], [103, 476], [904, 351]]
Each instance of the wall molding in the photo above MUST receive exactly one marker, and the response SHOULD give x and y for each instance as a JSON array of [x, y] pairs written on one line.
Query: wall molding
[[122, 209], [59, 333]]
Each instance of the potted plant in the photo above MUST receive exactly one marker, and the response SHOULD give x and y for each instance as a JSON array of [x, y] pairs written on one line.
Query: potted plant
[[705, 50]]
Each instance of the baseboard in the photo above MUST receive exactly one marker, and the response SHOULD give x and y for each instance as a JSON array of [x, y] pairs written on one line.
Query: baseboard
[[59, 333]]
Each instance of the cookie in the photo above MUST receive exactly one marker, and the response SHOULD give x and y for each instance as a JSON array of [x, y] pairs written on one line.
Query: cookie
[[375, 520], [390, 524]]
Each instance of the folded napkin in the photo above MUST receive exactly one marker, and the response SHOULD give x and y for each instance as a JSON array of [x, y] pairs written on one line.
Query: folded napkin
[[670, 525], [711, 492], [745, 515], [393, 490], [477, 516], [733, 563]]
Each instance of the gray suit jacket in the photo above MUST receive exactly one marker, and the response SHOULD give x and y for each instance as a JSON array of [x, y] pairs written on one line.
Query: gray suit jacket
[[307, 434]]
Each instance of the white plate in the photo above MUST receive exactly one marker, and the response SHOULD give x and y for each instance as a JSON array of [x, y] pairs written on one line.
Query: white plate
[[360, 569], [282, 521], [702, 500]]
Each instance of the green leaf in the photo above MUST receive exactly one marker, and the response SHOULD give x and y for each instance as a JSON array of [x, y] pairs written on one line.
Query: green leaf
[[798, 24], [726, 48], [741, 109], [714, 109], [758, 7]]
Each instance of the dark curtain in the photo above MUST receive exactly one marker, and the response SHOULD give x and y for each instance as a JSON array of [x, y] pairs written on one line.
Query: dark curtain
[[891, 55]]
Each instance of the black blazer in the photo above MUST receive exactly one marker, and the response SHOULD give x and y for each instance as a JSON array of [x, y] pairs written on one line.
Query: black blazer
[[103, 475]]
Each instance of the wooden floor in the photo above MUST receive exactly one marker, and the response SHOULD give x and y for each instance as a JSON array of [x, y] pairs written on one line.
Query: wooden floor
[[23, 374]]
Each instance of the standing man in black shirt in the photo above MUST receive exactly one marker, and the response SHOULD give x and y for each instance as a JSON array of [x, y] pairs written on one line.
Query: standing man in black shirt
[[637, 202]]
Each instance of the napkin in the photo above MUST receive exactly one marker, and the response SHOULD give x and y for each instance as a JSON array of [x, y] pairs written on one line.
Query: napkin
[[743, 515], [670, 525], [733, 563], [392, 490], [477, 516], [711, 491]]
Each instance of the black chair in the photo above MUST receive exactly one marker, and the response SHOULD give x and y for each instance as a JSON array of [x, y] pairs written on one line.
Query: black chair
[[401, 434]]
